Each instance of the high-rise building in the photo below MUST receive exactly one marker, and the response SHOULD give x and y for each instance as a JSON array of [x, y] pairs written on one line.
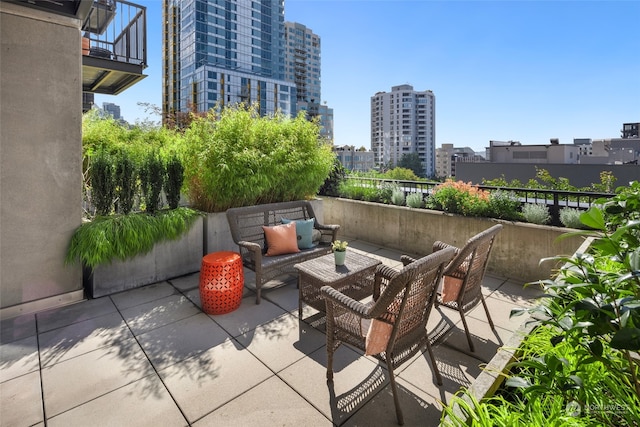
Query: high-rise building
[[403, 122], [302, 61], [225, 53], [112, 109], [303, 68]]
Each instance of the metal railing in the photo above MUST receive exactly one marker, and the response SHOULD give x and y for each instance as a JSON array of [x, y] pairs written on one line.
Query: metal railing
[[554, 199], [117, 30]]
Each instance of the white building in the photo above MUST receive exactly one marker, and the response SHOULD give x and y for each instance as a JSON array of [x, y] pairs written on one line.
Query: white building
[[403, 122], [354, 159]]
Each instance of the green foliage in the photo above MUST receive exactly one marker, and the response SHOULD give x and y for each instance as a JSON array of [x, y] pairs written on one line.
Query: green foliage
[[460, 198], [504, 205], [125, 182], [401, 174], [397, 197], [412, 162], [331, 185], [151, 180], [125, 236], [102, 182], [570, 217], [536, 213], [236, 158], [350, 190], [173, 181], [414, 200]]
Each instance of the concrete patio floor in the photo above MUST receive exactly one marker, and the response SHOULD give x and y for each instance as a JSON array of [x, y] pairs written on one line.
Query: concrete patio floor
[[151, 357]]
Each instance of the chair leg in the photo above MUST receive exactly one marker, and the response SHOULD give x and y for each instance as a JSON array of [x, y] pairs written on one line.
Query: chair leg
[[394, 390], [466, 330], [486, 310], [433, 363]]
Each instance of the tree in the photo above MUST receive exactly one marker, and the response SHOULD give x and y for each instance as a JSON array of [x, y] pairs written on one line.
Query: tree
[[412, 161]]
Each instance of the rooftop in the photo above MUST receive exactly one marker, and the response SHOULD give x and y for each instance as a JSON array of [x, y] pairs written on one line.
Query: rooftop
[[151, 356]]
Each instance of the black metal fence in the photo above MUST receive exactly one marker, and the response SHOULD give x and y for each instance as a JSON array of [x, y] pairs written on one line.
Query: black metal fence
[[554, 199]]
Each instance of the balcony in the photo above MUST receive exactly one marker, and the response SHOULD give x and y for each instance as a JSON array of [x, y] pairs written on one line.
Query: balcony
[[114, 46]]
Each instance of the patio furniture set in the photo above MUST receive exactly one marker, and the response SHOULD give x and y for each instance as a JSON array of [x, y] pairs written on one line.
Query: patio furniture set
[[372, 307]]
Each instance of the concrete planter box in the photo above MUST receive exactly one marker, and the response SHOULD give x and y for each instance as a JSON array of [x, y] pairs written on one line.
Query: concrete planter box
[[516, 253], [166, 260]]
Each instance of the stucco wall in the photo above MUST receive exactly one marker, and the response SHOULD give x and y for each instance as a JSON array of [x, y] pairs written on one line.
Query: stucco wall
[[40, 153], [516, 254]]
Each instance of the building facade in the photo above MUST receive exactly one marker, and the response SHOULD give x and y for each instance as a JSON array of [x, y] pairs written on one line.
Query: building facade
[[353, 159], [447, 156], [514, 152], [403, 122], [219, 53], [303, 68], [112, 109]]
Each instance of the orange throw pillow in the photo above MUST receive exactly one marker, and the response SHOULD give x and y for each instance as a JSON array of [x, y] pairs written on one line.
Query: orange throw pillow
[[281, 239], [450, 288], [377, 337]]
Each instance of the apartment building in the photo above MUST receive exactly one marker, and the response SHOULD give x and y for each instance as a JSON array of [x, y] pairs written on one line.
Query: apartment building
[[403, 122], [225, 53], [353, 159]]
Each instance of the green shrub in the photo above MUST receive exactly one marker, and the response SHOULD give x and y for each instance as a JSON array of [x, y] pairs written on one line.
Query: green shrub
[[504, 205], [385, 192], [331, 185], [348, 189], [102, 183], [398, 197], [401, 174], [125, 236], [460, 198], [536, 213], [414, 200], [151, 180], [125, 182], [579, 365], [570, 217], [237, 158], [173, 181]]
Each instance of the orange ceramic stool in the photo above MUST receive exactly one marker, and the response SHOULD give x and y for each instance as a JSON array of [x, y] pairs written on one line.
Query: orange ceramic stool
[[221, 282]]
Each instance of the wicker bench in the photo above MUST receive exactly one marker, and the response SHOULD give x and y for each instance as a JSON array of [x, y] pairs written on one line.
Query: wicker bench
[[246, 224]]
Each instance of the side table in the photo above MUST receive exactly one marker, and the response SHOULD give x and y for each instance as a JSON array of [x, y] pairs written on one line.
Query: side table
[[354, 278], [221, 282]]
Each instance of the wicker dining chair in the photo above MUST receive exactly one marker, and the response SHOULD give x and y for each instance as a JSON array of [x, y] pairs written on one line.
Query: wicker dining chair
[[462, 281], [392, 327]]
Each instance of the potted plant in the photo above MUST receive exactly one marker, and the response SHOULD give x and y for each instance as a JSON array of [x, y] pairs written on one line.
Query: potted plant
[[339, 251]]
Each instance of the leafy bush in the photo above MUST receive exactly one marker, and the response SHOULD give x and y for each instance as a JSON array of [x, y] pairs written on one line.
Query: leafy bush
[[579, 366], [536, 213], [349, 190], [102, 183], [385, 192], [125, 236], [397, 197], [173, 181], [504, 205], [414, 200], [237, 158], [459, 197], [151, 180], [332, 183], [401, 174], [570, 217], [125, 182]]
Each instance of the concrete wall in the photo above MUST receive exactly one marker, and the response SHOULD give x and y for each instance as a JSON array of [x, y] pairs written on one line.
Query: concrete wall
[[516, 254], [578, 175], [40, 155]]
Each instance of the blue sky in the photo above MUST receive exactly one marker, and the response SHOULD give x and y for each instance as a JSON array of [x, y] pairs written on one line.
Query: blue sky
[[500, 70]]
